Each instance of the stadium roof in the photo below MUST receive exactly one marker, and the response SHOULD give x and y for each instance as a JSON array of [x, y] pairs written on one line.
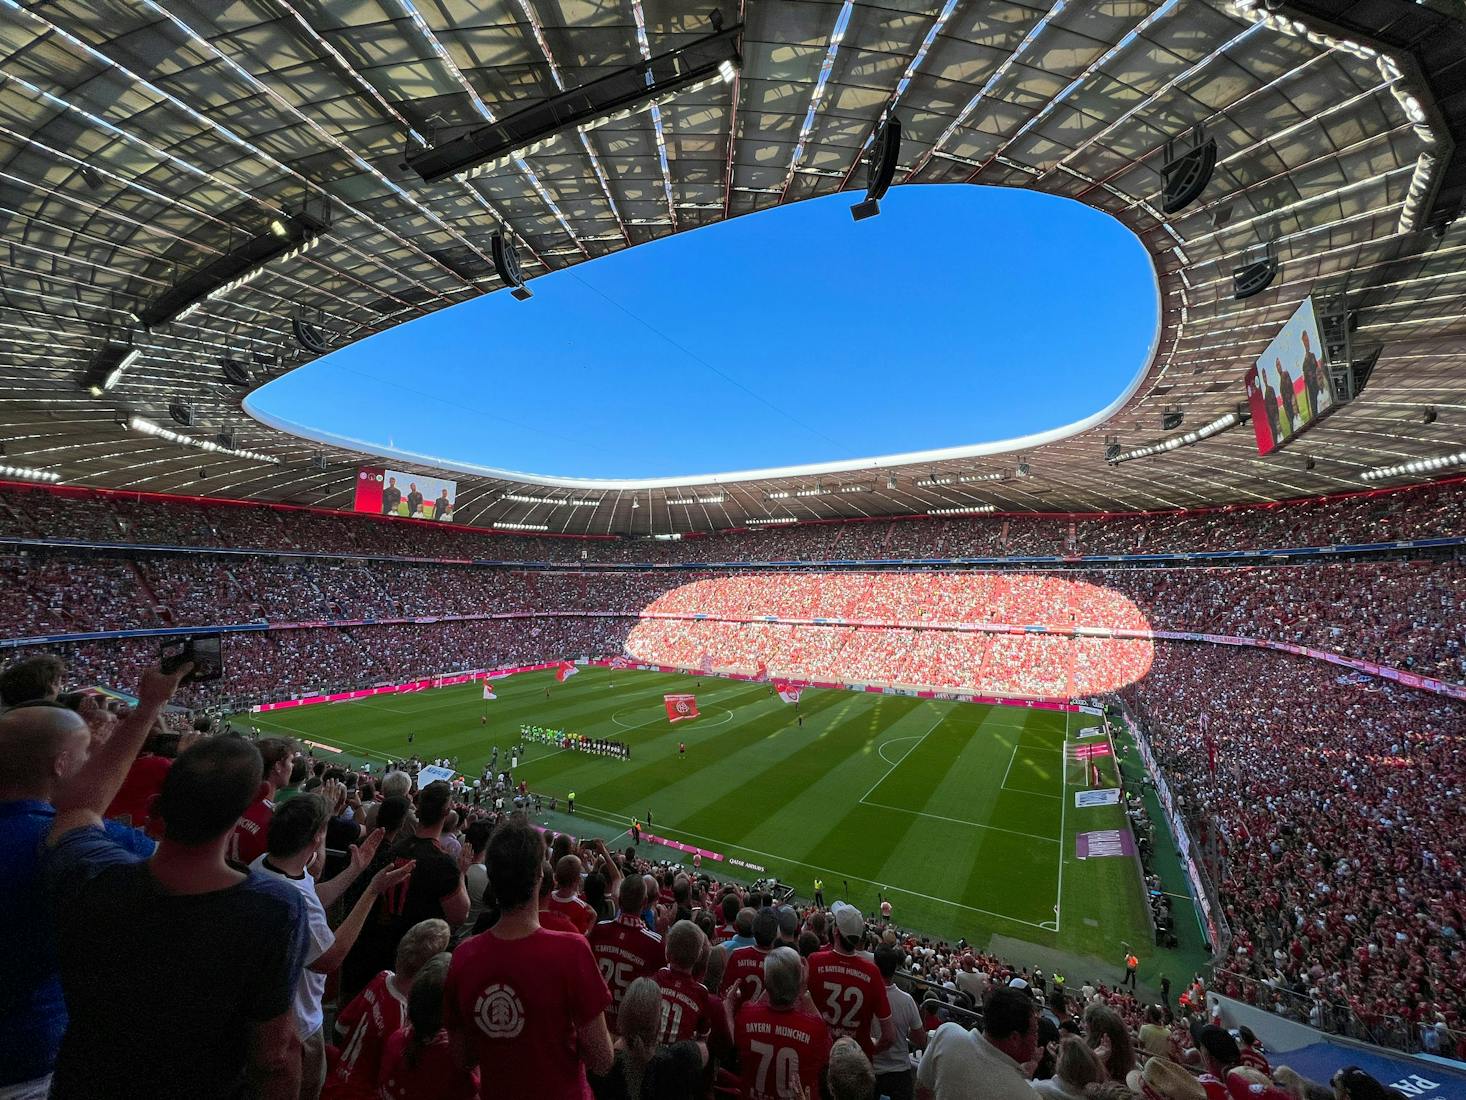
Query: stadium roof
[[211, 186]]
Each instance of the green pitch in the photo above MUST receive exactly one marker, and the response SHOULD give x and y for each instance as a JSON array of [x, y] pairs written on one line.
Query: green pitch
[[961, 814]]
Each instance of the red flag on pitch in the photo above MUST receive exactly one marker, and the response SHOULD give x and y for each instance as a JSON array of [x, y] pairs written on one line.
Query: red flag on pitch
[[680, 707], [788, 692], [565, 671]]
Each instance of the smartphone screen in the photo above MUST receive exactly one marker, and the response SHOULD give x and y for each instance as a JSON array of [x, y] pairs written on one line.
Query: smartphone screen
[[204, 651]]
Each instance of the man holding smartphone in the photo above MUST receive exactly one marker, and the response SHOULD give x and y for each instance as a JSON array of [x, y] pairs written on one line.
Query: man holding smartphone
[[204, 957]]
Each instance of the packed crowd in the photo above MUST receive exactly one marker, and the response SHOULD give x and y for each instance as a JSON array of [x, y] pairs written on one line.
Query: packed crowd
[[1382, 516], [276, 926], [1403, 614], [1332, 801]]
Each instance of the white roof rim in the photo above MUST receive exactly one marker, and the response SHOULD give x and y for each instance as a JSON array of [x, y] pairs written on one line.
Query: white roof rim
[[771, 473]]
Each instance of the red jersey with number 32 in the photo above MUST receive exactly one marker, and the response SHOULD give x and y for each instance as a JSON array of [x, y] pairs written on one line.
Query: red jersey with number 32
[[625, 949], [685, 1006], [850, 993], [781, 1052]]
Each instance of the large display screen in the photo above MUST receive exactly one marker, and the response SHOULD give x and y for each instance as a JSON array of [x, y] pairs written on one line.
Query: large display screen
[[1289, 389], [411, 496]]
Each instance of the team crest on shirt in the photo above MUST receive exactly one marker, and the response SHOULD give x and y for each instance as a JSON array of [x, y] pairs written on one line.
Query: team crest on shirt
[[499, 1012]]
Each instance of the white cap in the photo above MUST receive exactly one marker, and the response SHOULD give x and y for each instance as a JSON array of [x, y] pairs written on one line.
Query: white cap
[[1018, 983], [848, 920]]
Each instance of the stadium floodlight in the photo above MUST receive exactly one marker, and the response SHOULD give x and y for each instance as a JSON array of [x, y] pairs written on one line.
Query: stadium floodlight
[[963, 510], [144, 426], [1186, 173], [715, 498], [528, 498], [856, 489], [520, 526], [1206, 431], [770, 521], [29, 473], [934, 481], [108, 366], [812, 491], [239, 265], [778, 494], [697, 64], [880, 168], [1416, 466]]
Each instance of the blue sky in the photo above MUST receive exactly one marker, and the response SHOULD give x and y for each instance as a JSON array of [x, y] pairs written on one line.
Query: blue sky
[[960, 315]]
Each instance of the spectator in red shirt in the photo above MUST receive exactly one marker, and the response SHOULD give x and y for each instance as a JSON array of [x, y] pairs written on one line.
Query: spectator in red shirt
[[525, 1004], [566, 899], [847, 988], [418, 1062], [625, 948], [687, 1005], [746, 965], [365, 1024], [249, 840], [783, 1046]]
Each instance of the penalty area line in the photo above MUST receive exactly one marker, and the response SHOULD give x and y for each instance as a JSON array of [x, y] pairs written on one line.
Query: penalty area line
[[1046, 927]]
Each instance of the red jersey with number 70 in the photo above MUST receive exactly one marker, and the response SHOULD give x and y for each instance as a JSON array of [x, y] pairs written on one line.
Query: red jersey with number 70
[[781, 1052], [625, 949], [850, 993]]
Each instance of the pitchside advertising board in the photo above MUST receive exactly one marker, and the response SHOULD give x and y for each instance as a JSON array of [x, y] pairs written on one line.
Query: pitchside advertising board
[[384, 492], [1289, 390]]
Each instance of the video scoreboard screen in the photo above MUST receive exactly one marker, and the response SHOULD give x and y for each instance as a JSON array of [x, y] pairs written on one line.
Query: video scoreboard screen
[[385, 492], [1289, 389]]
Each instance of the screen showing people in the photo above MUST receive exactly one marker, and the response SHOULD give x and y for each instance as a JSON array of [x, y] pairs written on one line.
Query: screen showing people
[[410, 496], [1289, 389]]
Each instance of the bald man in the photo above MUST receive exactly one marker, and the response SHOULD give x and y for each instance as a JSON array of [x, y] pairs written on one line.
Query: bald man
[[41, 747]]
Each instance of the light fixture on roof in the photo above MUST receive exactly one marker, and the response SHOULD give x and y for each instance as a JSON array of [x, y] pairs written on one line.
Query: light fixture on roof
[[771, 521], [506, 262], [891, 482], [1024, 469], [963, 510], [572, 502], [778, 494], [144, 426], [1172, 419], [1112, 449], [1206, 431], [29, 473], [522, 526], [181, 412], [715, 498], [108, 366], [695, 64], [279, 228], [880, 168], [1186, 173], [1416, 466], [240, 265], [1428, 416]]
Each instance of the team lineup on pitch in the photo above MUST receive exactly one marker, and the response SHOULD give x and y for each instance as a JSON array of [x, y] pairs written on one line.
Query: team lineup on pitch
[[961, 815]]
